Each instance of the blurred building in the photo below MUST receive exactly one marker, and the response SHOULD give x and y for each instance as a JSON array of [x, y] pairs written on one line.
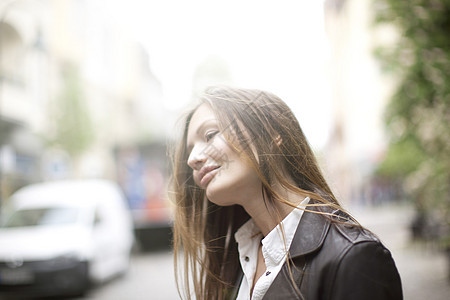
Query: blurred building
[[359, 95], [56, 49]]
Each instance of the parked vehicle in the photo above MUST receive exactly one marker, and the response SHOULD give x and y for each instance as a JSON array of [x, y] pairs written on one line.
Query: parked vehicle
[[57, 238]]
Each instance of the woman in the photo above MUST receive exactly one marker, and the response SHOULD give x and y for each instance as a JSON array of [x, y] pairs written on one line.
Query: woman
[[255, 218]]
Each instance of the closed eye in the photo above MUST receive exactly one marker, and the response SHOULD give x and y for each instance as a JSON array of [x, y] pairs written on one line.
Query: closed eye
[[210, 135]]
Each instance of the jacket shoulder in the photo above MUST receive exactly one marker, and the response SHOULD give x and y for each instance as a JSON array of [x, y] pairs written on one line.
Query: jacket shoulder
[[366, 270], [339, 240], [358, 262], [354, 233]]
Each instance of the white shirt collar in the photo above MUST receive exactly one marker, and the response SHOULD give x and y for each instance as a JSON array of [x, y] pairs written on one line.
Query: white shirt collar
[[250, 232], [274, 249]]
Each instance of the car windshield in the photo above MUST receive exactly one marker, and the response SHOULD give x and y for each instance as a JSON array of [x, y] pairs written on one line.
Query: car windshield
[[42, 216]]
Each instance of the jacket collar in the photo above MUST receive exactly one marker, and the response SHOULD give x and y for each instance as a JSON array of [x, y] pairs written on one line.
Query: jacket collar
[[308, 238], [310, 234]]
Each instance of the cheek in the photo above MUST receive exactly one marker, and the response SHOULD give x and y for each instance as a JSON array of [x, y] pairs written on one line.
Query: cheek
[[219, 151], [233, 185], [235, 174]]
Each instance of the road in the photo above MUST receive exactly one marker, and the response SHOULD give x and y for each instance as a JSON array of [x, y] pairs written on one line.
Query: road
[[422, 269], [150, 276]]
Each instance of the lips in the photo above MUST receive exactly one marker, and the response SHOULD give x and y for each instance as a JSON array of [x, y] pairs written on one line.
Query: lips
[[206, 174]]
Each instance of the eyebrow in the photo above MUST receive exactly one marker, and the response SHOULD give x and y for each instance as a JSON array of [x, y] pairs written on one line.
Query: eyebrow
[[204, 124]]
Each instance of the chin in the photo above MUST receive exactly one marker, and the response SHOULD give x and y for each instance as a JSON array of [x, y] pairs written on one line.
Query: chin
[[219, 194], [226, 189], [217, 198]]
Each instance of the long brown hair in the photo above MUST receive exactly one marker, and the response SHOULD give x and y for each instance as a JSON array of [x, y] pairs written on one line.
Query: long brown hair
[[204, 231]]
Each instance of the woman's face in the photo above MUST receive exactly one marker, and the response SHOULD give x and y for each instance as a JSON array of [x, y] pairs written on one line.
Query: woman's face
[[216, 166]]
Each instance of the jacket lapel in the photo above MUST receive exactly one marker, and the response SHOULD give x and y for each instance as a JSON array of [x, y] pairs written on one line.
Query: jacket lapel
[[310, 234], [308, 238]]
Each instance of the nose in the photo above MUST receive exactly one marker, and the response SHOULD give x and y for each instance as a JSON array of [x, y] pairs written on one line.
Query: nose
[[197, 158]]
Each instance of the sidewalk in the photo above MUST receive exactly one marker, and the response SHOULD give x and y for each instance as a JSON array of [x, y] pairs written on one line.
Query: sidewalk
[[423, 270]]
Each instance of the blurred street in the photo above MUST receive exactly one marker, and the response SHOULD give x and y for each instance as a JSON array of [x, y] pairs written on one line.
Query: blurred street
[[151, 276], [423, 270], [97, 90]]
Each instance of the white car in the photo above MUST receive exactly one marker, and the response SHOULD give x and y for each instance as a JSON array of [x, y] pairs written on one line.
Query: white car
[[59, 237]]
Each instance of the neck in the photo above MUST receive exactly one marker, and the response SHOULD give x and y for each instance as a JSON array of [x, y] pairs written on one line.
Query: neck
[[263, 218]]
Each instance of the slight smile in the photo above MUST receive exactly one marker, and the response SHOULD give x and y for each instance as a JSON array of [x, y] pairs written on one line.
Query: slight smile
[[206, 174]]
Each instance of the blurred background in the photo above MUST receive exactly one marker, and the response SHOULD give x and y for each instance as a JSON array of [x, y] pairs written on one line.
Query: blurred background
[[93, 89]]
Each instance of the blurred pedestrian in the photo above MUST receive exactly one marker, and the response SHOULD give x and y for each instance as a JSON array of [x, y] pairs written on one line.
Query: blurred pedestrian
[[255, 219]]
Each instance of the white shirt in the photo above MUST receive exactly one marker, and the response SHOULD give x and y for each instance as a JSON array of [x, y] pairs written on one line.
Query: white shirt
[[274, 251]]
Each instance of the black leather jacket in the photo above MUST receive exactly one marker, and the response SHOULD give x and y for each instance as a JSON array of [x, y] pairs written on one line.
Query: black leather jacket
[[334, 261]]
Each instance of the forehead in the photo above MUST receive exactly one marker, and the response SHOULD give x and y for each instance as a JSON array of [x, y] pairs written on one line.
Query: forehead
[[202, 114]]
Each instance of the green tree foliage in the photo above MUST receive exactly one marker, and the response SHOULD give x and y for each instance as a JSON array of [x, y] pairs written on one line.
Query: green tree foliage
[[418, 115], [73, 123]]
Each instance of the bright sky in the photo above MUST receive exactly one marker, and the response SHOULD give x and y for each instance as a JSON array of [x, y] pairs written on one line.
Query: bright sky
[[278, 46]]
